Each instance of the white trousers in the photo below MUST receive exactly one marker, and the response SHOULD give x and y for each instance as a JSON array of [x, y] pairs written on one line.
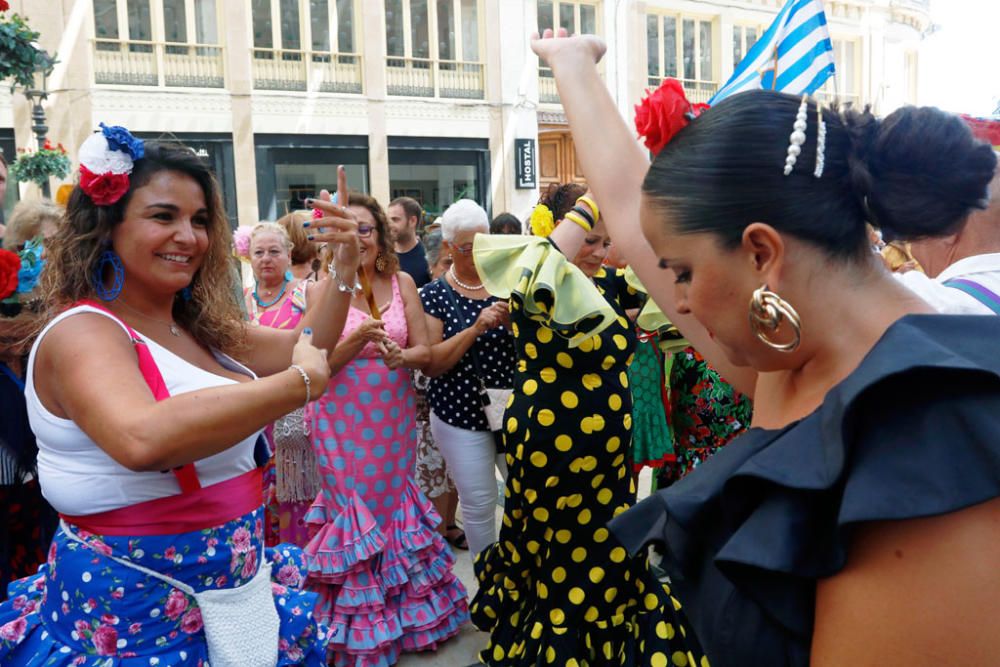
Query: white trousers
[[472, 462]]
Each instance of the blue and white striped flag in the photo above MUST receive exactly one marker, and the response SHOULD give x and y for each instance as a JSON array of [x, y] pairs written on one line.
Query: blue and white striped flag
[[794, 55]]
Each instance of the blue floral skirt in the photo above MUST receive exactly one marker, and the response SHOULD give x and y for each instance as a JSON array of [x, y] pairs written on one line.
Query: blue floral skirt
[[83, 608]]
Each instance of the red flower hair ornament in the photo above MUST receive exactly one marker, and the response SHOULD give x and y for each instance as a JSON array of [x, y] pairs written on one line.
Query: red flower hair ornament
[[663, 113]]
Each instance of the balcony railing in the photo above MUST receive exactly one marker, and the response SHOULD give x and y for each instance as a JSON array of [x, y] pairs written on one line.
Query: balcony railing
[[697, 91], [547, 91], [144, 63], [423, 77], [316, 71]]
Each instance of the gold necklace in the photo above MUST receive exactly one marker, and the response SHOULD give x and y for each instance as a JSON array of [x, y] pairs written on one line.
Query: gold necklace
[[174, 329]]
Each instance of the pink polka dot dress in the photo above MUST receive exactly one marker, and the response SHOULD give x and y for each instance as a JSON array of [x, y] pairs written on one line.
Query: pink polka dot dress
[[383, 573]]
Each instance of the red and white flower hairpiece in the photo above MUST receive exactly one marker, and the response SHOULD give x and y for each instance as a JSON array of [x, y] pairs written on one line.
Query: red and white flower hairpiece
[[106, 161]]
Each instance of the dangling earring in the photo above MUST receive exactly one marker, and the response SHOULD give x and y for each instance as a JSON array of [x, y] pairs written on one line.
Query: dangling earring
[[767, 312], [380, 262], [288, 275], [185, 293], [108, 258]]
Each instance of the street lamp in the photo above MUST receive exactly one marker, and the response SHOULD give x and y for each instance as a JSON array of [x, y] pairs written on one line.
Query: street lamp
[[37, 92]]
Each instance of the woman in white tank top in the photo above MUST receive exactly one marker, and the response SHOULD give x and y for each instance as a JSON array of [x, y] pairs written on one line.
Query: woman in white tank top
[[146, 426]]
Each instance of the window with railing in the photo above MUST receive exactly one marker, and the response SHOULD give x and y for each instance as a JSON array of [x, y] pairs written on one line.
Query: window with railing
[[845, 84], [682, 47], [433, 48], [158, 43], [306, 45], [744, 37], [579, 18]]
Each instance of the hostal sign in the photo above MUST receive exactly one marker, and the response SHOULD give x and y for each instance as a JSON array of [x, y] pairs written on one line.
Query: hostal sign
[[526, 166]]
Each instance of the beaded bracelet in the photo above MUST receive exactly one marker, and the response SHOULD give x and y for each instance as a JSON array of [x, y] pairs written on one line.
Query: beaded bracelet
[[305, 378]]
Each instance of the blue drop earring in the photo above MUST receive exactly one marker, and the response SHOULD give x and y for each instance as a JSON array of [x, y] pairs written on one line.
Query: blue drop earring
[[288, 275], [185, 293], [109, 258]]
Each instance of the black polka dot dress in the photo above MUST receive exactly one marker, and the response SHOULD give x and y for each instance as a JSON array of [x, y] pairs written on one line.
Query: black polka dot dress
[[557, 588]]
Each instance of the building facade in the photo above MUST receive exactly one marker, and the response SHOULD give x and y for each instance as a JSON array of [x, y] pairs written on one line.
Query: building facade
[[434, 99]]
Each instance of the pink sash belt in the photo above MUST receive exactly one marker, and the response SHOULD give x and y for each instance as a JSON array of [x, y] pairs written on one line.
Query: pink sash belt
[[202, 508]]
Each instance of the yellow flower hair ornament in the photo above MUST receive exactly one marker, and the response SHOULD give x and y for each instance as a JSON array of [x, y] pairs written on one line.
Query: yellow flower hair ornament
[[542, 223]]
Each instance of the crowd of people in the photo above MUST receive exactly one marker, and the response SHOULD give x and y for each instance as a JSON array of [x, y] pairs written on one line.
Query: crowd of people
[[786, 313]]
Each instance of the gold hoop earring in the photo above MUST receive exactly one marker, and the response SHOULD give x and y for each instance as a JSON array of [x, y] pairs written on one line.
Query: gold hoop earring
[[380, 262], [767, 312]]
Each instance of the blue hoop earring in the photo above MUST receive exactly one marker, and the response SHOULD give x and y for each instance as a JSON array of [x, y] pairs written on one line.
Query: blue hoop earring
[[108, 257]]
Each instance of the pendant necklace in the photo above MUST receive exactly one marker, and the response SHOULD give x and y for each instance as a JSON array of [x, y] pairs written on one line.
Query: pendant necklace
[[174, 329]]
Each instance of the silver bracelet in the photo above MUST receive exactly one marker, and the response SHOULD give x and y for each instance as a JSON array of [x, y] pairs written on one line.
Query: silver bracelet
[[341, 285], [305, 378]]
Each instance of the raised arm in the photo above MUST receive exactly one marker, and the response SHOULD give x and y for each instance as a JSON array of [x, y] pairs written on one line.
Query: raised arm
[[270, 349], [615, 166], [107, 397]]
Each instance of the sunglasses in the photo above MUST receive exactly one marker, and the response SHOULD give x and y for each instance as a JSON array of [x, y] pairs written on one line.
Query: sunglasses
[[463, 249]]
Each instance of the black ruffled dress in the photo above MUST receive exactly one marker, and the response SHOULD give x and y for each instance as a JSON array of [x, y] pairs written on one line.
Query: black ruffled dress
[[913, 432]]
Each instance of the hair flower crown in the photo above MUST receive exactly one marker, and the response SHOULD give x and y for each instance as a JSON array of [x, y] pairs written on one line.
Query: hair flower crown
[[106, 161], [663, 113]]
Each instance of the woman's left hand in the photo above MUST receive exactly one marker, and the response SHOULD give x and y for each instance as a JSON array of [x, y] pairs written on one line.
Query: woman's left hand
[[392, 354]]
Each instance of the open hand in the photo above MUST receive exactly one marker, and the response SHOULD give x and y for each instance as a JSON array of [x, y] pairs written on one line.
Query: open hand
[[557, 48]]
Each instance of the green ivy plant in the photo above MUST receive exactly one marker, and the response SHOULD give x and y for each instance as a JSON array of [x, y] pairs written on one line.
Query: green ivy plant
[[37, 167], [20, 54]]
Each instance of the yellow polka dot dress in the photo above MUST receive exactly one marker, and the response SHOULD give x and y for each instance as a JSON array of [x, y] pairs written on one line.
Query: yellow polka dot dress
[[557, 588]]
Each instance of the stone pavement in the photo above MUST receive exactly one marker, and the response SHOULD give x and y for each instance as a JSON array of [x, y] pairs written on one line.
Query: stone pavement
[[464, 649]]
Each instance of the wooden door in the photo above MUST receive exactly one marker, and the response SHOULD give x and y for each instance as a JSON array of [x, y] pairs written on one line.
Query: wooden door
[[557, 158]]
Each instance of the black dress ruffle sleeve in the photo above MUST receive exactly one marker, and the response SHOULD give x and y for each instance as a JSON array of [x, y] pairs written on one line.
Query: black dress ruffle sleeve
[[912, 432]]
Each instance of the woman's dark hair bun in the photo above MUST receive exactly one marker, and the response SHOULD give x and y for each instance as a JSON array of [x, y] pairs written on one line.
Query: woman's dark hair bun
[[862, 129], [921, 170], [561, 197]]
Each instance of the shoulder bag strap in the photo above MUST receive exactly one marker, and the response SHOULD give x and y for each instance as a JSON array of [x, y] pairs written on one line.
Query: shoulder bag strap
[[450, 293], [186, 475], [979, 292]]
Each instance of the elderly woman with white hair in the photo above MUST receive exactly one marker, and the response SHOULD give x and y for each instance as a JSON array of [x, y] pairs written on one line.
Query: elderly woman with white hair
[[472, 362]]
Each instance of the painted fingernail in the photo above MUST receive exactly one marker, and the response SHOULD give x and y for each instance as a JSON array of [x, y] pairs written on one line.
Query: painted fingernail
[[309, 202], [306, 224], [310, 238], [317, 214], [307, 331]]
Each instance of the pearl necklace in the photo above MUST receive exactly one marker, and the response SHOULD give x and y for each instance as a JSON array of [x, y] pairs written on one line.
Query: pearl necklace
[[454, 276]]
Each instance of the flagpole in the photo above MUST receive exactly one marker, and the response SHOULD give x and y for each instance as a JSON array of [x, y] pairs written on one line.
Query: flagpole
[[774, 69]]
